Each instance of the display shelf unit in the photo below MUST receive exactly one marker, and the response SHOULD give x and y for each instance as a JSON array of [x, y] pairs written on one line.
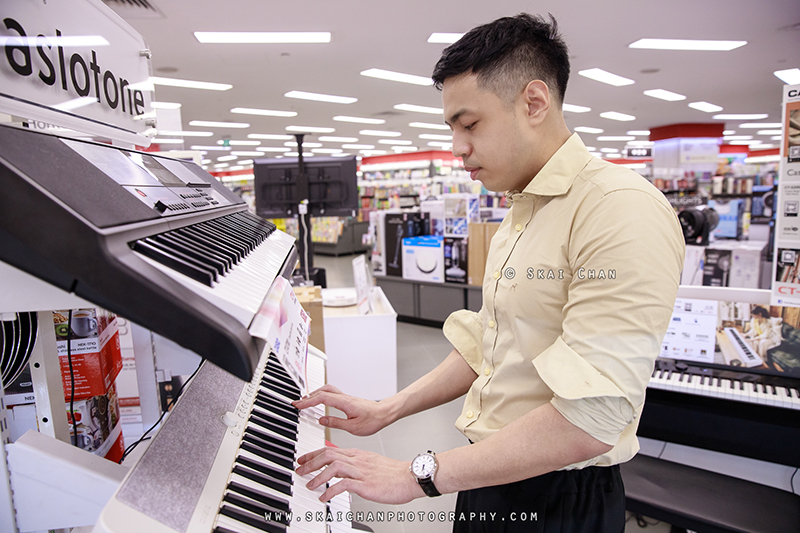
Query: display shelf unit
[[349, 241], [428, 303]]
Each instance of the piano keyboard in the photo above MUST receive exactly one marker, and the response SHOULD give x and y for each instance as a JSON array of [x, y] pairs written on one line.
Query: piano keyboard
[[747, 357], [691, 378], [249, 485], [233, 270]]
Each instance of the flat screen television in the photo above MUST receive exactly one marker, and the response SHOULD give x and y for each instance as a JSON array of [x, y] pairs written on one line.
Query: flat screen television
[[332, 186]]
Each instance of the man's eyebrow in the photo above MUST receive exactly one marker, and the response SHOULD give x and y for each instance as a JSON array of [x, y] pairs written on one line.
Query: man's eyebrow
[[455, 116]]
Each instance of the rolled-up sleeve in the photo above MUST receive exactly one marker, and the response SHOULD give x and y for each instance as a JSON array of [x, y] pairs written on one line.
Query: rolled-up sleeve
[[626, 254], [464, 330]]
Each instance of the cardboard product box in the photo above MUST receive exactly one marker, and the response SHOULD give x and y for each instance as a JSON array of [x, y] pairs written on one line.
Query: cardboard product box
[[398, 226], [456, 259], [311, 300], [96, 355], [480, 236], [435, 211], [460, 210], [98, 423], [423, 258], [716, 267]]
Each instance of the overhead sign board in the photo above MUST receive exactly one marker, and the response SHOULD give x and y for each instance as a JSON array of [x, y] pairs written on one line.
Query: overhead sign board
[[75, 64]]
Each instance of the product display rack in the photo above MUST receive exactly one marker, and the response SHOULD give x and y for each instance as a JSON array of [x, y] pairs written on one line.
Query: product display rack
[[428, 303]]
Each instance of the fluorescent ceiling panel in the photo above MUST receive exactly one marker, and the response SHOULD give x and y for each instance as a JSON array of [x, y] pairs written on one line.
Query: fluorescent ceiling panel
[[190, 84], [433, 137], [212, 124], [638, 132], [687, 44], [318, 97], [663, 94], [262, 37], [270, 136], [790, 76], [616, 138], [427, 125], [326, 138], [263, 112], [359, 120], [310, 129], [419, 109], [378, 133], [603, 76], [705, 107], [239, 143], [734, 116], [613, 115], [165, 105], [444, 38], [575, 108], [396, 76], [587, 129], [186, 133], [755, 125]]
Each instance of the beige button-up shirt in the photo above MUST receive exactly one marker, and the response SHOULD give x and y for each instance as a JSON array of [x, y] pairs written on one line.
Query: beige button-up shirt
[[580, 283]]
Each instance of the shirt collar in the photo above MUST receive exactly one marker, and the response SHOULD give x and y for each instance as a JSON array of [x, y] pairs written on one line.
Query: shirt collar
[[556, 176]]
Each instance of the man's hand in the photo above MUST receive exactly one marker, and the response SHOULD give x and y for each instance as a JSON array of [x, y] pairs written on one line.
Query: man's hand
[[364, 417], [371, 476]]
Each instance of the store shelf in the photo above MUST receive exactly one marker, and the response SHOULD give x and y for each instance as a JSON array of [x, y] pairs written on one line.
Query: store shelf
[[429, 303]]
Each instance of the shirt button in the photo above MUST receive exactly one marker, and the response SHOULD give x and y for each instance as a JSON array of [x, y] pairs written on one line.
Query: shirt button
[[470, 414], [518, 227], [491, 323], [487, 370], [496, 274]]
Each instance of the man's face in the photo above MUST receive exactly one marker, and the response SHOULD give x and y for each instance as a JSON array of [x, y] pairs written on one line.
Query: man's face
[[491, 137]]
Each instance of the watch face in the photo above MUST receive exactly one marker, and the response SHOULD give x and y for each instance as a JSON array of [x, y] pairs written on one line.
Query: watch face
[[423, 465]]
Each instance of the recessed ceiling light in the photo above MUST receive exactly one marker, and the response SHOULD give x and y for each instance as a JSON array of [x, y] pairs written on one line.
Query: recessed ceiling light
[[419, 109], [221, 165], [394, 141], [261, 37], [769, 132], [609, 150], [396, 76], [65, 41], [776, 138], [318, 97], [212, 124], [433, 137], [247, 161], [729, 132], [245, 153], [444, 38], [662, 94], [378, 133], [223, 148], [613, 115], [359, 120], [310, 129], [743, 143], [736, 137], [272, 149], [790, 75], [326, 150], [441, 144], [686, 44], [229, 142], [295, 154], [186, 133], [733, 116], [638, 132], [616, 138], [358, 146], [167, 141], [429, 126], [587, 129], [76, 103], [189, 84], [269, 136], [373, 152], [602, 76], [705, 106], [404, 148], [575, 108], [227, 157], [263, 112], [754, 125], [165, 105], [612, 156], [326, 138], [641, 143]]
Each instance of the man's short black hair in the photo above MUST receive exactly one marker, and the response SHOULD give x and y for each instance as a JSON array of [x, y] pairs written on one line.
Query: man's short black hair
[[507, 54]]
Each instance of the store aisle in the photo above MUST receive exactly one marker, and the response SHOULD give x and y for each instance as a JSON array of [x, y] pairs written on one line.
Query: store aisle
[[419, 349]]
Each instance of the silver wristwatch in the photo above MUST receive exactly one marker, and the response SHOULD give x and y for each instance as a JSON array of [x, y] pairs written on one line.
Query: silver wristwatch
[[424, 467]]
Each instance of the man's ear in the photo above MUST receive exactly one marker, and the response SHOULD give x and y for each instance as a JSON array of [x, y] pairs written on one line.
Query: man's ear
[[537, 101]]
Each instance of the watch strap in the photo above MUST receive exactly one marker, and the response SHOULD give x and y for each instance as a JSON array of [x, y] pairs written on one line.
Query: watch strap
[[428, 487]]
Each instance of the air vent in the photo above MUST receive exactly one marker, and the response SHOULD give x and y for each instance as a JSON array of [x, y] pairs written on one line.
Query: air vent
[[134, 9]]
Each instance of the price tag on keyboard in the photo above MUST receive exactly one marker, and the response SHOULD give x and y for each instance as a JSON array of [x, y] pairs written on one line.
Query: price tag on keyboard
[[284, 325]]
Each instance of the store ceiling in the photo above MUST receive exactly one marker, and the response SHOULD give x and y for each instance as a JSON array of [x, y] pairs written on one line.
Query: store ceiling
[[393, 36]]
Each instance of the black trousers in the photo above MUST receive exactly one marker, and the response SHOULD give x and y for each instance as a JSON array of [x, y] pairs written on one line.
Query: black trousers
[[591, 500]]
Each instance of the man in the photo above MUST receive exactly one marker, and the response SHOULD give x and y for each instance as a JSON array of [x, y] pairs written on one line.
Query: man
[[581, 280]]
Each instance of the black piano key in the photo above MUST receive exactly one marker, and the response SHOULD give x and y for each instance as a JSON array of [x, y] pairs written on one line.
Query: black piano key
[[175, 263], [194, 251], [267, 455], [268, 378], [190, 240], [257, 236], [266, 424], [282, 378], [263, 401], [221, 238], [263, 480], [266, 470], [256, 507], [172, 250], [266, 499], [234, 237], [250, 519], [291, 395], [194, 233], [256, 222], [244, 235], [269, 417], [259, 437]]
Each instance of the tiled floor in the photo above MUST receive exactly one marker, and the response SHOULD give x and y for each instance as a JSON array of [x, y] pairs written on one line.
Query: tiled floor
[[419, 350]]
